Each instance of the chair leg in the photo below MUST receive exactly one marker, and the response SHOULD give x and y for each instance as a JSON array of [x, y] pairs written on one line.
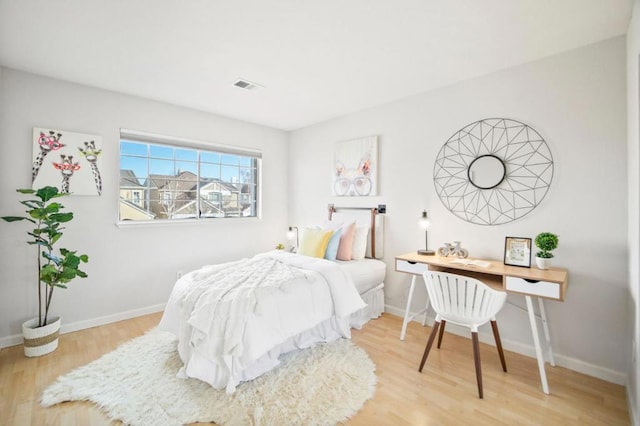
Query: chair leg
[[476, 359], [496, 335], [442, 326], [432, 337]]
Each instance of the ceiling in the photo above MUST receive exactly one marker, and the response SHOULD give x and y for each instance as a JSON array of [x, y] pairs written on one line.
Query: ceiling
[[316, 59]]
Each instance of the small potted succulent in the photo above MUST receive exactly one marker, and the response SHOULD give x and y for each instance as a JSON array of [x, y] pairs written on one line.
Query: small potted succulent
[[55, 268], [546, 242]]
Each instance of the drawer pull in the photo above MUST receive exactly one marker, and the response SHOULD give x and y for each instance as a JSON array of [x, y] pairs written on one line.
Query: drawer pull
[[413, 263], [531, 281]]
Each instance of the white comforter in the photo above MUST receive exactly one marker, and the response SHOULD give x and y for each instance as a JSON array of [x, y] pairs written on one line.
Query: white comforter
[[230, 317]]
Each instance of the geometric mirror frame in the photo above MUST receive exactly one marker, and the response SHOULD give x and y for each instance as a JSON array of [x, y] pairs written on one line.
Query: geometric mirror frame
[[493, 171]]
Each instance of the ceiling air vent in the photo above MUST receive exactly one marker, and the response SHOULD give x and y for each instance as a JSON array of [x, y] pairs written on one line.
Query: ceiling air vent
[[247, 85]]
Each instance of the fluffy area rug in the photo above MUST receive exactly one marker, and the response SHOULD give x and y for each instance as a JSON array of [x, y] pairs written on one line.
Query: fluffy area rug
[[137, 385]]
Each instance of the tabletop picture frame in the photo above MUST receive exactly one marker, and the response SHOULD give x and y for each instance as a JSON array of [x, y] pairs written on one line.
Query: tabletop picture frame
[[517, 251]]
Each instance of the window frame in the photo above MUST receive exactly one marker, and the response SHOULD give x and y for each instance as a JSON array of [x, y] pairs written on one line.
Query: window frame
[[209, 148]]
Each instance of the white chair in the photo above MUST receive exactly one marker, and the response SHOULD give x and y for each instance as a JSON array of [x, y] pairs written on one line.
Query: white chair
[[467, 302]]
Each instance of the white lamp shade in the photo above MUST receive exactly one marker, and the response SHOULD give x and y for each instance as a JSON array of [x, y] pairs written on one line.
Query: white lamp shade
[[424, 221]]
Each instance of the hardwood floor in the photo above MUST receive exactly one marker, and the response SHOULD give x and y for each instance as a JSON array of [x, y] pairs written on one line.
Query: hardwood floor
[[444, 393]]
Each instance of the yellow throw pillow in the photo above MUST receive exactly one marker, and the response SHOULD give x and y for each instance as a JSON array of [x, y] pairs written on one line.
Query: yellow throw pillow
[[314, 242]]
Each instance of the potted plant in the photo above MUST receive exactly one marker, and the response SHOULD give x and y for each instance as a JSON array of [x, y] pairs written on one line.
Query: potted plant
[[54, 269], [546, 242]]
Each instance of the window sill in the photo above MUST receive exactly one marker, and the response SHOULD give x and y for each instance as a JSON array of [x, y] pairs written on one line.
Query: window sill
[[183, 222]]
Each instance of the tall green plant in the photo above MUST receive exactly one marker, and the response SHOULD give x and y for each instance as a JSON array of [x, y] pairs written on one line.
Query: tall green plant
[[53, 270]]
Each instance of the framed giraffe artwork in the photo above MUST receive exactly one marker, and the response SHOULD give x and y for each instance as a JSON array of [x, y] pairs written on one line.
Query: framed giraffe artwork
[[72, 162]]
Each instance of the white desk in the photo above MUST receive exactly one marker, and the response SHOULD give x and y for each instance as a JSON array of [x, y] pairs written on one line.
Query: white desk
[[530, 282]]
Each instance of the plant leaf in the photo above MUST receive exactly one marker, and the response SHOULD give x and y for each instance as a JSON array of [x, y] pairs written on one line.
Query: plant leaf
[[53, 208], [62, 217], [46, 193], [56, 237], [26, 191], [16, 218], [52, 257], [37, 213]]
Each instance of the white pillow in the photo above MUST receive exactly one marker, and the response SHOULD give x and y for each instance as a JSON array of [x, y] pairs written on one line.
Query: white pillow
[[360, 243]]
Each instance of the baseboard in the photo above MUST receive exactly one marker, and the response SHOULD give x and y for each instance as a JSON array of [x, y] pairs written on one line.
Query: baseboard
[[16, 339], [632, 403], [528, 350]]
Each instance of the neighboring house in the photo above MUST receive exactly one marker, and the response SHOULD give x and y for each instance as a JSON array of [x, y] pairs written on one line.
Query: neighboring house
[[170, 193], [223, 196], [133, 205], [130, 211], [175, 197], [217, 199], [131, 189]]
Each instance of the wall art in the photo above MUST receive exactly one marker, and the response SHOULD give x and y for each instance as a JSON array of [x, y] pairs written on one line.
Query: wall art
[[70, 161], [355, 168], [493, 171]]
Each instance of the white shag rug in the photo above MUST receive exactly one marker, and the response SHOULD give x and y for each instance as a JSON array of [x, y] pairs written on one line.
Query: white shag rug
[[137, 384]]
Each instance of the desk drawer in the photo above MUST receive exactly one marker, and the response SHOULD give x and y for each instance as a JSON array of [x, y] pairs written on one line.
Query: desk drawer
[[410, 267], [537, 288]]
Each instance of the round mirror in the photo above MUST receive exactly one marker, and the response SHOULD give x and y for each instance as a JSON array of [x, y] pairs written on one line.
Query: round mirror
[[486, 171]]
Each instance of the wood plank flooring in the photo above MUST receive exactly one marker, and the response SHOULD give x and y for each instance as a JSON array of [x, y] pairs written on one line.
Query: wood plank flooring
[[445, 393]]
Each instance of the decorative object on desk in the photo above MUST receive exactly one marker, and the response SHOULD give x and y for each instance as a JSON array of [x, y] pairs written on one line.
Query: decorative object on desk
[[472, 262], [444, 251], [424, 223], [453, 250], [355, 168], [291, 234], [546, 242], [517, 251], [54, 269], [493, 171]]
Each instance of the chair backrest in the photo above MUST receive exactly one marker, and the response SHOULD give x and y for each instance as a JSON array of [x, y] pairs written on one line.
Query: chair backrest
[[463, 300]]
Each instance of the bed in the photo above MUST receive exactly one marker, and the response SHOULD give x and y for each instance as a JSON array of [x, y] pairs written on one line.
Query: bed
[[233, 320]]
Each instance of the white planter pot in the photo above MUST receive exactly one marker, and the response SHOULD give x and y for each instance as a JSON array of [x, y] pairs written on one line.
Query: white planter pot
[[543, 263], [40, 340]]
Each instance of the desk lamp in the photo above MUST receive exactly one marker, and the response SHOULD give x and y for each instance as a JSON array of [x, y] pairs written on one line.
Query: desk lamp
[[290, 234], [424, 223]]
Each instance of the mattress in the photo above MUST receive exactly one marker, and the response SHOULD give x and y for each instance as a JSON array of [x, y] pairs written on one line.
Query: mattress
[[366, 274]]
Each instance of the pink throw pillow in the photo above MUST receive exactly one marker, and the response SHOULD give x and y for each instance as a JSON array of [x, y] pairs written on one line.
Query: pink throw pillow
[[345, 247]]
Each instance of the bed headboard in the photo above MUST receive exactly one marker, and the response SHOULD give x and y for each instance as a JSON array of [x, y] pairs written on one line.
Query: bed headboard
[[363, 216]]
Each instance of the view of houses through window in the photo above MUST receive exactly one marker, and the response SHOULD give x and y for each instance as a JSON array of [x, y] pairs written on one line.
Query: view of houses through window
[[164, 182]]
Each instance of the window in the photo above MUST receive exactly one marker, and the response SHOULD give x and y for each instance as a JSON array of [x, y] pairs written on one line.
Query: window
[[163, 178]]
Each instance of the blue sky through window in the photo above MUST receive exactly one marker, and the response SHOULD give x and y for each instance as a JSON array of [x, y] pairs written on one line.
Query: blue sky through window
[[145, 159]]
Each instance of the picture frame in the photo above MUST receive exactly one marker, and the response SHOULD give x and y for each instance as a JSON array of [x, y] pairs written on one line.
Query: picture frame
[[355, 168], [517, 251], [70, 161]]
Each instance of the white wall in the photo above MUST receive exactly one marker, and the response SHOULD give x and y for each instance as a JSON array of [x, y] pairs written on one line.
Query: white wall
[[576, 101], [633, 147], [131, 270]]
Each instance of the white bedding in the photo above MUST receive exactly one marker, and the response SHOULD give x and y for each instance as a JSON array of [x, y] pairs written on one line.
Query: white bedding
[[234, 319], [366, 274]]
